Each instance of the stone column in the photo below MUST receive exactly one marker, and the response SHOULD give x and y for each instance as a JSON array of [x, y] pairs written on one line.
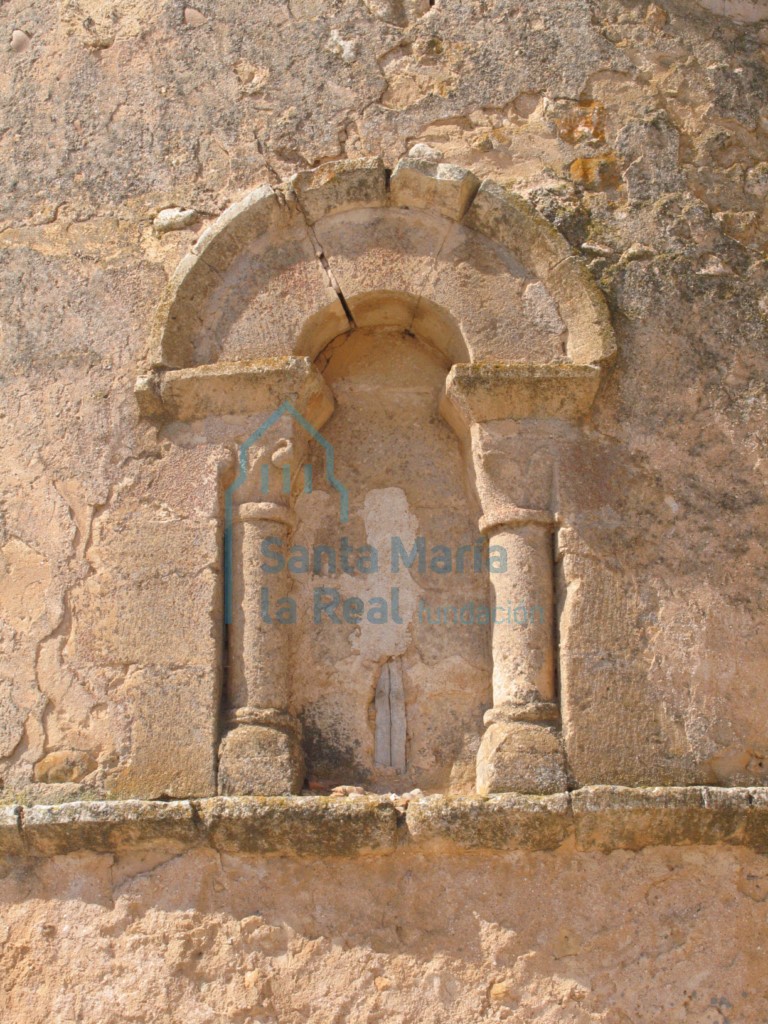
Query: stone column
[[521, 749], [261, 749], [509, 420], [287, 401]]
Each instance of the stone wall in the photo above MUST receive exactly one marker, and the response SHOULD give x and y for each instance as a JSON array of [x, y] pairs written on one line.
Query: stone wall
[[638, 131], [573, 938], [610, 907]]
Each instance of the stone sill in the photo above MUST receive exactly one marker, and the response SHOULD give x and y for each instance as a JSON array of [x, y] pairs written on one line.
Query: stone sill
[[600, 818]]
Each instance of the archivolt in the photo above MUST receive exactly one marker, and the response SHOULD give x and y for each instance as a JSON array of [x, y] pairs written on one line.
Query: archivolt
[[430, 248]]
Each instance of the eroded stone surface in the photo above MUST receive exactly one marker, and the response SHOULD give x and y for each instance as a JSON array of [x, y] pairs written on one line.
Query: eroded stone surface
[[261, 760], [510, 935], [352, 821], [10, 832], [305, 826], [520, 757], [98, 826], [636, 522], [512, 821], [638, 132]]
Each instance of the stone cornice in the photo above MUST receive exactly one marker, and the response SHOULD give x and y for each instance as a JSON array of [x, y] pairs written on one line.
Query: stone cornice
[[598, 818]]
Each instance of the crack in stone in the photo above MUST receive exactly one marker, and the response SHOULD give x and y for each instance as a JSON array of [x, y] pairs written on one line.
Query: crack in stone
[[322, 259]]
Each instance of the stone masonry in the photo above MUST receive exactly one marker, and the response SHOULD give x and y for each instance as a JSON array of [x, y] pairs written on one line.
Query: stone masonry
[[383, 521]]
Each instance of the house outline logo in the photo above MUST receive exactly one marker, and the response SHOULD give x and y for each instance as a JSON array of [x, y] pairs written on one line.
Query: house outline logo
[[286, 409]]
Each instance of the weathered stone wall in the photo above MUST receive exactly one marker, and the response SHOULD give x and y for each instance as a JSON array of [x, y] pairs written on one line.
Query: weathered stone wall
[[672, 935], [608, 905], [639, 131]]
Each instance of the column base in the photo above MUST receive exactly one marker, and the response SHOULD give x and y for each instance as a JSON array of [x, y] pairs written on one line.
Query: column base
[[260, 760], [520, 754]]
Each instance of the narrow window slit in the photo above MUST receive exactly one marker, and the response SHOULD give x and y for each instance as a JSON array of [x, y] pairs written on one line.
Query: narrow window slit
[[389, 703]]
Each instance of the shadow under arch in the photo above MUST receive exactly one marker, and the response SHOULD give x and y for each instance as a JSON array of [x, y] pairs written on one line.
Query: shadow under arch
[[422, 317]]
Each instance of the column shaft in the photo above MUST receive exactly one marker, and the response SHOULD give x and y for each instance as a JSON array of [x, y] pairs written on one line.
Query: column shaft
[[523, 657], [258, 648]]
